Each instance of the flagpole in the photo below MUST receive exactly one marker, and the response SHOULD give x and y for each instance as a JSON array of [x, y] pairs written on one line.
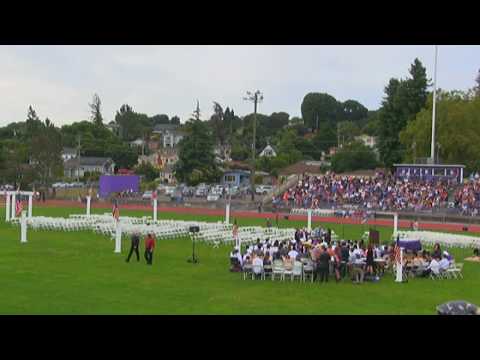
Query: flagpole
[[432, 149]]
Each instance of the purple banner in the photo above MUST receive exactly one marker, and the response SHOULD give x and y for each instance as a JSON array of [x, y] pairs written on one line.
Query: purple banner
[[118, 183]]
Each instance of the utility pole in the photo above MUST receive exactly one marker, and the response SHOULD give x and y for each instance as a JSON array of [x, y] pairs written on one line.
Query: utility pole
[[256, 97], [432, 150]]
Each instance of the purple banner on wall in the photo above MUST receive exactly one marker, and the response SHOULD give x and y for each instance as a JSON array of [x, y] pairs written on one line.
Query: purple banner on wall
[[118, 183]]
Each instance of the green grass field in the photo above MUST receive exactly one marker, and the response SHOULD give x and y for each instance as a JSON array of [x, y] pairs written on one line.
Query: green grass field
[[78, 273]]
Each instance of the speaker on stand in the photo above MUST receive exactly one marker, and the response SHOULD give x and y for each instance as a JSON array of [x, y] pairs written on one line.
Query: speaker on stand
[[193, 231]]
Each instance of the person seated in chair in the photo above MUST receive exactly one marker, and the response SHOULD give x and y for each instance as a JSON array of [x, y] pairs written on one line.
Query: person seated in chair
[[433, 267], [235, 261], [444, 263]]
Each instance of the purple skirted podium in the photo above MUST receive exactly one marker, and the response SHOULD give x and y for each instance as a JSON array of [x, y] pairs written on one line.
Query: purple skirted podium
[[410, 244], [118, 183]]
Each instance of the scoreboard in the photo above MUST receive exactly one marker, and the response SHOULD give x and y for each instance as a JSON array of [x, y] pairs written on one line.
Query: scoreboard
[[429, 172]]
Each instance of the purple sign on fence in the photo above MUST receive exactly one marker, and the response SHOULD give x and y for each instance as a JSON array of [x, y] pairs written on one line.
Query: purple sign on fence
[[118, 183]]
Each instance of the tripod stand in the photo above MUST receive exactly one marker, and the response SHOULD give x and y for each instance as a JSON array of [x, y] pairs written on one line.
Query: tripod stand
[[193, 259]]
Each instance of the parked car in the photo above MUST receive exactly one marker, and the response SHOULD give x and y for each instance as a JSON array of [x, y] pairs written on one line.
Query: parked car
[[201, 190], [263, 189], [169, 190], [147, 195], [213, 197]]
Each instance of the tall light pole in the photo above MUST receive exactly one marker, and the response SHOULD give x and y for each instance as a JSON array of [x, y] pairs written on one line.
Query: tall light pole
[[256, 97], [432, 150]]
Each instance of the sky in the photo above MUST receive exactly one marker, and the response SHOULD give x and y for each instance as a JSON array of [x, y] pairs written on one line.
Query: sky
[[59, 81]]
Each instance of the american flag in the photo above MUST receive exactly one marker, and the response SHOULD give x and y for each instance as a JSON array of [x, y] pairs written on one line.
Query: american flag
[[365, 218], [154, 195], [396, 253], [235, 231], [116, 211], [18, 207]]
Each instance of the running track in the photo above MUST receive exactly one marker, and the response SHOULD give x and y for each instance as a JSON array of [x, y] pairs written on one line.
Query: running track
[[456, 227]]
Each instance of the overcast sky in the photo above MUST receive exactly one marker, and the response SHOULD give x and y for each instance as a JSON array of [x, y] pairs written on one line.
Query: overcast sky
[[59, 81]]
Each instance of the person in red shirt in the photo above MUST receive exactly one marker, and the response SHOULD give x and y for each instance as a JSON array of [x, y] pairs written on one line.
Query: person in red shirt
[[149, 247]]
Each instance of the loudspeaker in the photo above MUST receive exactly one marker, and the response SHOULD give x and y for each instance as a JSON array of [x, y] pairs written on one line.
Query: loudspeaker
[[465, 228], [286, 217], [194, 229]]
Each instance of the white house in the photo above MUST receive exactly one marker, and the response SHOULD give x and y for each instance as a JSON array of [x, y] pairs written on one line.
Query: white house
[[268, 152], [137, 143], [367, 140], [78, 167], [169, 134], [68, 153]]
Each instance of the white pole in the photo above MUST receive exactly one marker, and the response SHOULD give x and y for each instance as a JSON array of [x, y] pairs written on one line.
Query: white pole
[[432, 149], [7, 206], [155, 209], [118, 238], [399, 277], [227, 214], [23, 227], [89, 198], [13, 206], [309, 222], [30, 206], [395, 225]]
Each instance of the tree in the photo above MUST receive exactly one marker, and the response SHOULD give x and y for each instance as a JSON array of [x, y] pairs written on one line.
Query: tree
[[404, 99], [286, 147], [353, 111], [196, 158], [159, 119], [277, 121], [175, 120], [46, 150], [95, 111], [147, 170], [457, 130], [353, 156], [325, 138], [319, 108], [33, 123], [347, 131], [218, 123], [132, 125]]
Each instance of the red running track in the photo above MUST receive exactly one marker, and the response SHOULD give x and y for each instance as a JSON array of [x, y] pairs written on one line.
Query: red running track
[[455, 227]]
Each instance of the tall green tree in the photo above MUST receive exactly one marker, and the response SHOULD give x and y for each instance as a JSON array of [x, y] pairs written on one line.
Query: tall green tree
[[196, 159], [319, 108], [403, 100], [46, 150], [353, 111], [96, 110], [457, 130]]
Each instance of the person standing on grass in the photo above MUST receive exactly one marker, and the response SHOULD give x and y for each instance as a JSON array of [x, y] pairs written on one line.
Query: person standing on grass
[[323, 264], [134, 247], [149, 247]]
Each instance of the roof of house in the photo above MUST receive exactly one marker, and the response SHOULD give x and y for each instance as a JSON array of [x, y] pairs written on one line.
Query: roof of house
[[268, 147], [87, 161], [163, 127], [68, 150]]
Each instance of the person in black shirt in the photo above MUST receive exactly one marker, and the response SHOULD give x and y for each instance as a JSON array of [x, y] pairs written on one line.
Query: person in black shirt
[[134, 247], [323, 264]]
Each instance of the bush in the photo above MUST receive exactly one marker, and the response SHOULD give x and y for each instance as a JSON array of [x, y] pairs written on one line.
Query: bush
[[355, 156]]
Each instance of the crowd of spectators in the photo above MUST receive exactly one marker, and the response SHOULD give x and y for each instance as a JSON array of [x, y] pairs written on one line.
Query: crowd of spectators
[[467, 198], [381, 192]]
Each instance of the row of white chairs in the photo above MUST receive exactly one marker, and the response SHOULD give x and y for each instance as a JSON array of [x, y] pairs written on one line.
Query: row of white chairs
[[315, 212], [444, 239]]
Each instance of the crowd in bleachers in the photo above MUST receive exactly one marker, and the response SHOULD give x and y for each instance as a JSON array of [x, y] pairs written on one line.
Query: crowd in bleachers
[[320, 258], [380, 192], [467, 198]]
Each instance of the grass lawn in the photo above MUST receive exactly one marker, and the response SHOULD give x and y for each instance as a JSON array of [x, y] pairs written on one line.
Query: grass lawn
[[78, 273]]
